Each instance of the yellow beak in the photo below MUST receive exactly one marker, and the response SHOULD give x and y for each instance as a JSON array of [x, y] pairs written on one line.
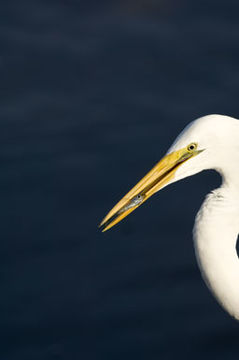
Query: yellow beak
[[156, 179]]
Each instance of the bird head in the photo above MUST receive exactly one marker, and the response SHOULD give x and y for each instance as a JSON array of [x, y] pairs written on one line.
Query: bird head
[[202, 145]]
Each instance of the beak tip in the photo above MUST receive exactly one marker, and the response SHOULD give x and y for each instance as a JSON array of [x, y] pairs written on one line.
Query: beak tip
[[102, 226], [103, 229]]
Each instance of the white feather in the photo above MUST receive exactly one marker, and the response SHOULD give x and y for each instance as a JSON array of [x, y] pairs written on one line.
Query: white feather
[[217, 222]]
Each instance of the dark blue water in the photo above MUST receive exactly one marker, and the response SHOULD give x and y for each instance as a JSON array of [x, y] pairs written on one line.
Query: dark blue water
[[92, 95]]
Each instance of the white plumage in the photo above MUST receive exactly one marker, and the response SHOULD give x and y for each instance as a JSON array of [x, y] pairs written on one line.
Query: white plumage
[[211, 142]]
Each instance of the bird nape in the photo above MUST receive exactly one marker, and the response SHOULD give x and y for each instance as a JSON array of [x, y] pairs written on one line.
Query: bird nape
[[210, 142]]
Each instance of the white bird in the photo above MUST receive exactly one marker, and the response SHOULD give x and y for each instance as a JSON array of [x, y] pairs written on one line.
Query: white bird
[[210, 142]]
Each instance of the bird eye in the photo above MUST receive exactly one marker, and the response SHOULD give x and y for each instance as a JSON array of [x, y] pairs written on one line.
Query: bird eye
[[192, 147]]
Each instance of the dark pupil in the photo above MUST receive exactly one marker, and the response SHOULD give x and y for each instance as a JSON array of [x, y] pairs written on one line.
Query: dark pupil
[[191, 147]]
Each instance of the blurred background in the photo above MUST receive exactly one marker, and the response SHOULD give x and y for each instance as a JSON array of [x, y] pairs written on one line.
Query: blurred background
[[92, 95]]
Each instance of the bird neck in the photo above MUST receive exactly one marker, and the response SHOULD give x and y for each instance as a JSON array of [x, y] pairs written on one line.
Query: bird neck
[[215, 236], [228, 171]]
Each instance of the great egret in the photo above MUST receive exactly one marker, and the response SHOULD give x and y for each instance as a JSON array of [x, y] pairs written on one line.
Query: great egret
[[210, 142]]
